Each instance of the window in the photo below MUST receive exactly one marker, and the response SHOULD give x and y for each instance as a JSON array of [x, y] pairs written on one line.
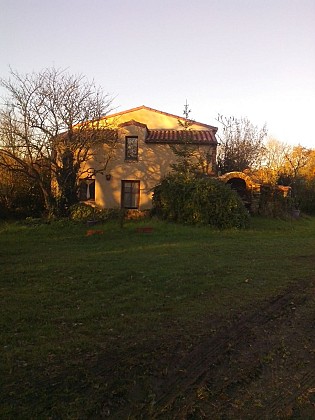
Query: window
[[131, 148], [130, 194], [86, 189]]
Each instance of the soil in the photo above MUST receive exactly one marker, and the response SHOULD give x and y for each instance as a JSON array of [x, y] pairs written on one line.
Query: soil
[[258, 364]]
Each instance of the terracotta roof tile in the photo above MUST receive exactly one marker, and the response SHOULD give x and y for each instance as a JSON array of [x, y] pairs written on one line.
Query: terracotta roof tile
[[178, 136]]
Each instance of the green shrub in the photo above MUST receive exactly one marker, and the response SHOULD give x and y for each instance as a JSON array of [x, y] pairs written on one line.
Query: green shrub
[[20, 201], [306, 196], [135, 214], [205, 201], [107, 214], [272, 202], [82, 212]]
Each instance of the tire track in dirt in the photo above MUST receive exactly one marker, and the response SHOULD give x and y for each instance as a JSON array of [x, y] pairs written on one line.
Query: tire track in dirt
[[210, 365]]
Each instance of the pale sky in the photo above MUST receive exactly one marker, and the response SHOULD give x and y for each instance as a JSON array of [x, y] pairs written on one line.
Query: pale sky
[[242, 58]]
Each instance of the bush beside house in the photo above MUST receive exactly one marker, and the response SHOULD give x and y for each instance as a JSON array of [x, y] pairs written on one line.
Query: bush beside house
[[204, 201]]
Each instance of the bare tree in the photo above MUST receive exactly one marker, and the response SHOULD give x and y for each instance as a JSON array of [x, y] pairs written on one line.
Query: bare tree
[[296, 159], [50, 124], [295, 173], [274, 158], [241, 144]]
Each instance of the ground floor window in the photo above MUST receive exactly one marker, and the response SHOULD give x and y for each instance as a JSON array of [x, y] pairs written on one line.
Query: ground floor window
[[86, 189], [130, 194]]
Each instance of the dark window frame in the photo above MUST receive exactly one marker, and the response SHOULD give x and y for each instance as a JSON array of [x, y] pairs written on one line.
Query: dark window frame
[[89, 184], [129, 155], [130, 194]]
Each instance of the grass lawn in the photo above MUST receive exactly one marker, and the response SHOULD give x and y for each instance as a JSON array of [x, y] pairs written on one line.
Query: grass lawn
[[88, 321]]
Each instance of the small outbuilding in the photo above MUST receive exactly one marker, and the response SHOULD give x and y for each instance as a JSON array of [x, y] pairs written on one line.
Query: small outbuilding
[[246, 187], [251, 191]]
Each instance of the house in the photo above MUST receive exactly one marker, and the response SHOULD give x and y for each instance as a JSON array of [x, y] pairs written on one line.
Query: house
[[143, 156]]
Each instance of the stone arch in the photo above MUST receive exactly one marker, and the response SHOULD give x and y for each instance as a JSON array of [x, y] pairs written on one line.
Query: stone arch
[[240, 186], [246, 188], [250, 184]]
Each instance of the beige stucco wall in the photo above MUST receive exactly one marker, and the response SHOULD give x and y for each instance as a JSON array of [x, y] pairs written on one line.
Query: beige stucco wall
[[153, 163], [152, 119], [153, 160]]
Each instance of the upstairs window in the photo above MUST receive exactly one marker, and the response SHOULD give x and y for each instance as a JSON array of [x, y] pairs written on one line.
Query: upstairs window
[[130, 194], [86, 189], [131, 148]]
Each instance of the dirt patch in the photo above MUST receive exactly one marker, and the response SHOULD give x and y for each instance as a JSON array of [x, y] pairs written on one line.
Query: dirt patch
[[261, 364]]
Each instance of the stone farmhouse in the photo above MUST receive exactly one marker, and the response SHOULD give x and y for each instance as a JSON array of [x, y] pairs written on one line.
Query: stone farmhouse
[[142, 157]]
